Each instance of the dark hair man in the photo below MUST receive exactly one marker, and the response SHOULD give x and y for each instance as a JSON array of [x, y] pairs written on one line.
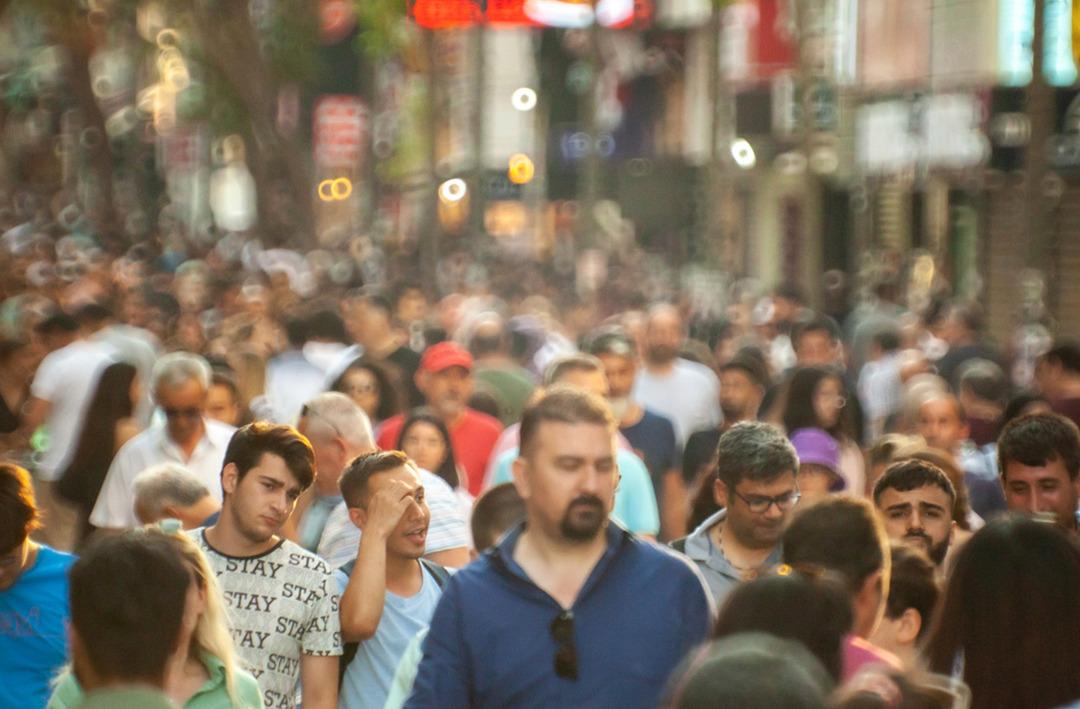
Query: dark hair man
[[339, 431], [1039, 460], [496, 511], [388, 595], [913, 593], [685, 392], [128, 597], [180, 382], [445, 378], [844, 535], [915, 500], [282, 599], [1057, 374], [755, 485], [743, 382], [817, 343], [567, 607], [33, 597], [651, 435]]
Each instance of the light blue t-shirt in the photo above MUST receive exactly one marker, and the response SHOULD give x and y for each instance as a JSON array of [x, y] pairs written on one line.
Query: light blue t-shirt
[[369, 676], [33, 630], [635, 500]]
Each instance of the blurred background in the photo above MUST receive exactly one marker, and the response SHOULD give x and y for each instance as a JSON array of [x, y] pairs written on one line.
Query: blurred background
[[643, 146]]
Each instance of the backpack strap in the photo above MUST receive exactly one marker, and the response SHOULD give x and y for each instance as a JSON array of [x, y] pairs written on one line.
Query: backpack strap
[[437, 571]]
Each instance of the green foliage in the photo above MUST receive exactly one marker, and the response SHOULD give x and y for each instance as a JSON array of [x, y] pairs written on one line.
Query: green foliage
[[290, 40], [381, 27]]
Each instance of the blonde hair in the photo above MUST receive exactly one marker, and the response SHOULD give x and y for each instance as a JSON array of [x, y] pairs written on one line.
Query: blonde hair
[[211, 635]]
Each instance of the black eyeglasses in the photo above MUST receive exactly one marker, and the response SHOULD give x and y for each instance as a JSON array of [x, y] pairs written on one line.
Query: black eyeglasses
[[562, 629], [760, 504], [192, 413]]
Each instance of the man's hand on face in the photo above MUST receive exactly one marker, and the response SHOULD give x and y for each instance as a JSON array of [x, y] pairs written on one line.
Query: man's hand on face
[[386, 507]]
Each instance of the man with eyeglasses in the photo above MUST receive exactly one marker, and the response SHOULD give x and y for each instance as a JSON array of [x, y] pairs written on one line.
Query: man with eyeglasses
[[568, 609], [180, 382], [755, 487]]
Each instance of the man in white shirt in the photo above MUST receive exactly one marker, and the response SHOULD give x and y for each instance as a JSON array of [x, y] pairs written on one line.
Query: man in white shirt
[[685, 392], [59, 397], [179, 381]]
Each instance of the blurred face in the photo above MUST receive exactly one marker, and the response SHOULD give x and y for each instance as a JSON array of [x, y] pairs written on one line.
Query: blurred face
[[816, 349], [739, 395], [361, 386], [260, 502], [331, 455], [13, 563], [410, 535], [425, 445], [184, 407], [221, 405], [815, 482], [593, 381], [412, 305], [663, 337], [1046, 489], [921, 517], [568, 480], [620, 373], [940, 424], [446, 391], [756, 529], [829, 401]]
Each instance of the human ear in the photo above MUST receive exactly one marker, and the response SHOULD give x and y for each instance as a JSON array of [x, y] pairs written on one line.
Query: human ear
[[907, 631], [518, 469], [230, 477], [720, 493]]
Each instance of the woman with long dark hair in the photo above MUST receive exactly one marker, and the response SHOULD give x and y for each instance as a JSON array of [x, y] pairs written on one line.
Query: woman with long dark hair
[[109, 424], [817, 398], [426, 440], [1009, 625], [371, 385]]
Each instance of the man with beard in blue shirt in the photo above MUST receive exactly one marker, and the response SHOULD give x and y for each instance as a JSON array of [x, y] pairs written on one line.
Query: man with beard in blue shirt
[[568, 609]]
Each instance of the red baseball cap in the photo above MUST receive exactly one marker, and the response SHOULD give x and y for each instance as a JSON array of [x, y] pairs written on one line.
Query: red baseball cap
[[444, 355]]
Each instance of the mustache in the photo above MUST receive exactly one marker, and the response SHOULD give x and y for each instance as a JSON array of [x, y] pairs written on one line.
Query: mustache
[[586, 501], [917, 534]]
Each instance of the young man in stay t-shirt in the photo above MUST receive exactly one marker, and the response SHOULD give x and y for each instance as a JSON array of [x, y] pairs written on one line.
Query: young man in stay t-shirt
[[283, 604]]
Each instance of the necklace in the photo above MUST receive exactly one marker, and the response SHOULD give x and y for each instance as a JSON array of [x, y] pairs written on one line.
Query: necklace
[[748, 573]]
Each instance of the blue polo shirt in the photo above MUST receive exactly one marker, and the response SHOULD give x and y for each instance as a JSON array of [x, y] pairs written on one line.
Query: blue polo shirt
[[641, 610]]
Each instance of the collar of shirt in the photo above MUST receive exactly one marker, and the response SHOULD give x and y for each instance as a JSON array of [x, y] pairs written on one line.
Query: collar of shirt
[[214, 437], [699, 547], [502, 554]]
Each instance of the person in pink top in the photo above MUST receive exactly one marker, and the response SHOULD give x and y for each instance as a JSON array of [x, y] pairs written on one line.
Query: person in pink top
[[844, 535], [445, 378]]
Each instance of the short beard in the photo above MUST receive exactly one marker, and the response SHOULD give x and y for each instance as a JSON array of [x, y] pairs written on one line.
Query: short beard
[[936, 552], [586, 529]]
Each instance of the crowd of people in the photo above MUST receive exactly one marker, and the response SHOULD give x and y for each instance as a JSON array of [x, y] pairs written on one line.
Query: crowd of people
[[241, 485]]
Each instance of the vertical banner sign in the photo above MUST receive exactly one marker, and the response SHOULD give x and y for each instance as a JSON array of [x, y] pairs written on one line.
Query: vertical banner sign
[[339, 130]]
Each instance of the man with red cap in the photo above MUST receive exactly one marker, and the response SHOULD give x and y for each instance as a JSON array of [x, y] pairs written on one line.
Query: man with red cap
[[445, 378]]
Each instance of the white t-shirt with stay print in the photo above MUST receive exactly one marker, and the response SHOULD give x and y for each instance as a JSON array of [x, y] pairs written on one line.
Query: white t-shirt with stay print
[[282, 604]]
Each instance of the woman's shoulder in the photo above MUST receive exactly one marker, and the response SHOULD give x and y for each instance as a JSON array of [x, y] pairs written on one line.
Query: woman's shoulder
[[247, 690]]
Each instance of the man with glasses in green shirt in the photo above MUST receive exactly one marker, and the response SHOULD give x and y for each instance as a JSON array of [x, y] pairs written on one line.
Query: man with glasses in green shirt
[[755, 485]]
